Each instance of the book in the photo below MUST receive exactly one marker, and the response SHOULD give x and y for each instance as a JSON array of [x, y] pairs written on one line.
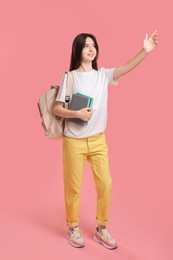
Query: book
[[91, 99], [78, 102]]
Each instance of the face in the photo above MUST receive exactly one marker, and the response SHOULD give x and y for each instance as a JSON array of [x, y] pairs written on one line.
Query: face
[[89, 51]]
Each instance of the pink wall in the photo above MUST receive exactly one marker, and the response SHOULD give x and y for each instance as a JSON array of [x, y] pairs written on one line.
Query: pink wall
[[35, 46]]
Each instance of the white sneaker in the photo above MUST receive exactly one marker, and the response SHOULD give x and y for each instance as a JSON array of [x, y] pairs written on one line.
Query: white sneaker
[[103, 237], [75, 237]]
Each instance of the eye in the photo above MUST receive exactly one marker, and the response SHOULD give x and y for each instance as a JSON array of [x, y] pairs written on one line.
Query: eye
[[87, 45]]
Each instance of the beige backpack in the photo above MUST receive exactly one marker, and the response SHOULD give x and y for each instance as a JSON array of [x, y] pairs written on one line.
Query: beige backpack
[[54, 126]]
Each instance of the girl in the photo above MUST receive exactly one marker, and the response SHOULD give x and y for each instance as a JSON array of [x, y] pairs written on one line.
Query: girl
[[87, 142]]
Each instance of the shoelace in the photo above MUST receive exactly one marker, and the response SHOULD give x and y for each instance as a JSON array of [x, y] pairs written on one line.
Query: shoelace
[[106, 234], [76, 233]]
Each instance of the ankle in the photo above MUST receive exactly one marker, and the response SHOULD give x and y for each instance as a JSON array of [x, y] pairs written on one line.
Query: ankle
[[100, 227], [72, 228]]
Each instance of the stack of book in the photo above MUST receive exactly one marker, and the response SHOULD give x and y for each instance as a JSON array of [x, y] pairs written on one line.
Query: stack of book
[[78, 102]]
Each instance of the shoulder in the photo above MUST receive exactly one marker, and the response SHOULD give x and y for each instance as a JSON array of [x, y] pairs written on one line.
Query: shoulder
[[106, 71]]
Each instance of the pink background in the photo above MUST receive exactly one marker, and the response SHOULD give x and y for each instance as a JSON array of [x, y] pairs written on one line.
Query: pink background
[[35, 47]]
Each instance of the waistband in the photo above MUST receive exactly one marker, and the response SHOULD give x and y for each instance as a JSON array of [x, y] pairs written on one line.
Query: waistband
[[83, 138]]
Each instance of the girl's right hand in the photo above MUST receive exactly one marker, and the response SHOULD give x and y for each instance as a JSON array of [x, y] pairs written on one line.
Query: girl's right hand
[[85, 113]]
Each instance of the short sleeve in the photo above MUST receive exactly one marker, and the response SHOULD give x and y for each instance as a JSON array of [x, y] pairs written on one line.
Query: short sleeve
[[62, 91], [109, 75]]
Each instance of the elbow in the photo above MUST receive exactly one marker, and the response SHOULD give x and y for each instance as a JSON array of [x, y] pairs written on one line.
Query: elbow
[[54, 110]]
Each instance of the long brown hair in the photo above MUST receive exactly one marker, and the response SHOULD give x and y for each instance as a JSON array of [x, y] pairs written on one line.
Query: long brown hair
[[77, 47]]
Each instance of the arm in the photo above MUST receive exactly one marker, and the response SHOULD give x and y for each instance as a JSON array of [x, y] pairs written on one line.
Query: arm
[[59, 110], [148, 45]]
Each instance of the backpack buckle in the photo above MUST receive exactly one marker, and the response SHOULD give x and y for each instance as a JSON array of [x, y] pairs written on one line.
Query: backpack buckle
[[67, 99]]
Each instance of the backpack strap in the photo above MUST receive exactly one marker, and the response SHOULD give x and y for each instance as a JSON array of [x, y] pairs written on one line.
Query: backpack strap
[[69, 87], [68, 96]]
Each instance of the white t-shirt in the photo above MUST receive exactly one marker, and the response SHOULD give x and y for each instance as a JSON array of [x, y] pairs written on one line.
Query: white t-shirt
[[92, 83]]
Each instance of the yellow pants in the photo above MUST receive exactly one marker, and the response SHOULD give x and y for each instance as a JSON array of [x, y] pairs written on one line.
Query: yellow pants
[[75, 154]]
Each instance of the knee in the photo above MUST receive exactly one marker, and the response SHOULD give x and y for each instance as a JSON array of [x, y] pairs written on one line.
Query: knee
[[104, 185], [72, 190]]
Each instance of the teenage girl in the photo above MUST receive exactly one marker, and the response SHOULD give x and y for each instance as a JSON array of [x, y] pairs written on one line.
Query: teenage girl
[[81, 143]]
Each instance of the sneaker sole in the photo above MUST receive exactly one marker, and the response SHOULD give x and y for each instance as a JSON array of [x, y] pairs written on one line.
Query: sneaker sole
[[74, 245], [102, 243]]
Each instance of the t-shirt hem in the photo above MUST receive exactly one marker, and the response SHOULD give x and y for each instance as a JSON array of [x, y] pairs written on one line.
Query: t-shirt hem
[[75, 137]]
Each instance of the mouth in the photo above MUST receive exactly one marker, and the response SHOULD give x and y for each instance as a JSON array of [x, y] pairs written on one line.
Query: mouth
[[91, 55]]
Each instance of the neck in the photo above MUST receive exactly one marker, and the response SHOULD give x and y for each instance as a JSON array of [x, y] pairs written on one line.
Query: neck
[[85, 67]]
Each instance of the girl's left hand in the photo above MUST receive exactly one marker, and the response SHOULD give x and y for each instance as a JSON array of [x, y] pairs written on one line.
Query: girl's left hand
[[151, 42]]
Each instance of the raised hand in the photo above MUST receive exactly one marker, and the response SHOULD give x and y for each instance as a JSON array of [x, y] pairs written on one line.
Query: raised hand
[[151, 42]]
